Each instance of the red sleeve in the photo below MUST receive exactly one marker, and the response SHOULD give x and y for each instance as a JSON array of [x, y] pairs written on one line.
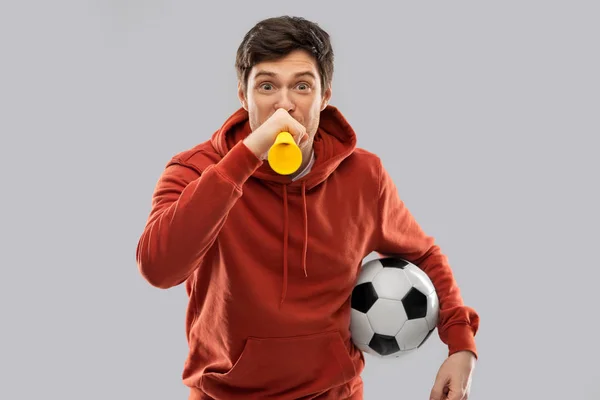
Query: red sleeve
[[188, 211], [399, 234]]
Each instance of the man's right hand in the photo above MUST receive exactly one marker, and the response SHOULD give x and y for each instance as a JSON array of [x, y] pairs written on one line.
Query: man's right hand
[[263, 137]]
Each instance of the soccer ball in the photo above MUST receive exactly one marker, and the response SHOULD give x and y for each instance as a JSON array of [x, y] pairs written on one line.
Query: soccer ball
[[394, 308]]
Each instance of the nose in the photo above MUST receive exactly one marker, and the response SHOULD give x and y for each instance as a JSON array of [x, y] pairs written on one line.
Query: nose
[[285, 101]]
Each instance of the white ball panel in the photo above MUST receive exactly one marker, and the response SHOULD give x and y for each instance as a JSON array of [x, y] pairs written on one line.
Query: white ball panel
[[365, 348], [433, 310], [391, 283], [419, 279], [368, 271], [360, 327], [387, 316], [412, 334]]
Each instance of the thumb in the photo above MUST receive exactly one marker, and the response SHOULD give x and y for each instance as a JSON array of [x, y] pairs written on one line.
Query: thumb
[[455, 393], [437, 392]]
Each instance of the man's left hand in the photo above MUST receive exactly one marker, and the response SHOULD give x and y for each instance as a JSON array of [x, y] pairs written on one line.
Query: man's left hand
[[453, 381]]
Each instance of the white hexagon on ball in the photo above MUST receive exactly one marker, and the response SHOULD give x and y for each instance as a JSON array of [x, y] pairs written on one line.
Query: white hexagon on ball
[[361, 328], [412, 334], [391, 283], [368, 272], [387, 316], [433, 308], [419, 279]]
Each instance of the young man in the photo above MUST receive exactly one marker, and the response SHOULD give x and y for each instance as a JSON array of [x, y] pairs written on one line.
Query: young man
[[269, 261]]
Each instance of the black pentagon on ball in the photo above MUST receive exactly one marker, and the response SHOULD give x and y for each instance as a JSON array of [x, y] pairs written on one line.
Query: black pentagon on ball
[[363, 297], [393, 262], [384, 345], [415, 304]]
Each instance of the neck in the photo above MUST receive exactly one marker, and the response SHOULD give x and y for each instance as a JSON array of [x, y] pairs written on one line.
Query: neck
[[306, 156], [306, 153]]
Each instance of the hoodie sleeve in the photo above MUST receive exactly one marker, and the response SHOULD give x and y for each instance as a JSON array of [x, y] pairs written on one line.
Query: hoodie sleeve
[[399, 234], [188, 211]]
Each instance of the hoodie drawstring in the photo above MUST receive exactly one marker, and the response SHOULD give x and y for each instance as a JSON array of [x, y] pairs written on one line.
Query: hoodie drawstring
[[285, 237], [305, 220]]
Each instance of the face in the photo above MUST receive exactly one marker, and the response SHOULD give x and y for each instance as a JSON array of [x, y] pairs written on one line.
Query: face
[[292, 83]]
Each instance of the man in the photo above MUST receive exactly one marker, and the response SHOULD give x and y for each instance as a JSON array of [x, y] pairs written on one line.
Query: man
[[269, 261]]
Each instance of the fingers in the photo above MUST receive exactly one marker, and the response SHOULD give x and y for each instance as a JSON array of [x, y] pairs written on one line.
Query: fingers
[[297, 130], [458, 394], [304, 139], [444, 389], [437, 392]]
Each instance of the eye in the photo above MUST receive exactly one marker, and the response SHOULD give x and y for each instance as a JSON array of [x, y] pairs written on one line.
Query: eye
[[303, 86], [265, 86]]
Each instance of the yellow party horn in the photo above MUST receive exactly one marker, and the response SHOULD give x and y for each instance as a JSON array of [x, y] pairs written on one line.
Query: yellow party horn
[[284, 155]]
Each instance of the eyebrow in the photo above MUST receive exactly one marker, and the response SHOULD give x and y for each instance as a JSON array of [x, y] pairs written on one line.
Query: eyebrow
[[296, 75]]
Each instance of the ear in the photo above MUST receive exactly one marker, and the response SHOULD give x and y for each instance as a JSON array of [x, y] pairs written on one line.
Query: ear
[[326, 97], [242, 96]]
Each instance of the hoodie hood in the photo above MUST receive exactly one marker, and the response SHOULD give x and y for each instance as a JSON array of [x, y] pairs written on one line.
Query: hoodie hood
[[333, 142]]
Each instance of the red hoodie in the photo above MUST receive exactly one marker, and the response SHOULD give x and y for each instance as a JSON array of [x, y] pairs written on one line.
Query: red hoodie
[[269, 264]]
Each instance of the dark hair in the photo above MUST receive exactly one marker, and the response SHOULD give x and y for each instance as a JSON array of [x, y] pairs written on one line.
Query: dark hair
[[275, 37]]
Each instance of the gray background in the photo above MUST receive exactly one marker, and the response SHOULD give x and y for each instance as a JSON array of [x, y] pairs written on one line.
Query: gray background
[[486, 116]]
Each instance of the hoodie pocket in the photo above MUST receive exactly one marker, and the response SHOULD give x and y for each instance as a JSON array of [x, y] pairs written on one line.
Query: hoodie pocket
[[297, 366]]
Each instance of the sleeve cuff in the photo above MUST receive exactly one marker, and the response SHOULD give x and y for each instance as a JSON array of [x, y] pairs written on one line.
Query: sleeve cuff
[[460, 338], [239, 164]]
